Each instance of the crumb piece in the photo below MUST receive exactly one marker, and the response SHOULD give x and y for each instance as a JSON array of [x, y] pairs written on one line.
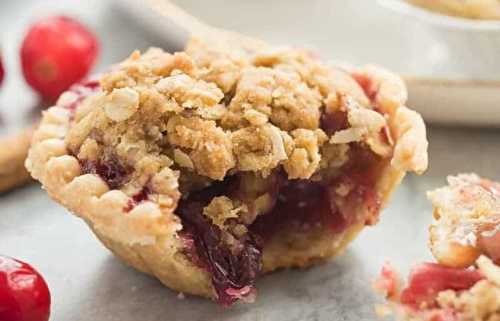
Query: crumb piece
[[221, 209]]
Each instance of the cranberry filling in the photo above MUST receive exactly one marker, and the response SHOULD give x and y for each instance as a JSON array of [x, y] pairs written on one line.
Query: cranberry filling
[[428, 279], [138, 198], [299, 205], [233, 271], [304, 205], [333, 122], [110, 170]]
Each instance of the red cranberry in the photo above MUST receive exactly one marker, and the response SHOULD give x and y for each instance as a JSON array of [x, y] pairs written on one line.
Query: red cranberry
[[2, 72], [428, 279], [56, 53], [24, 295]]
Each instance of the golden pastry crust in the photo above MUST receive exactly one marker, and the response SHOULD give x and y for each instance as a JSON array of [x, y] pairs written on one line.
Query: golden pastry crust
[[130, 156], [475, 9], [13, 152]]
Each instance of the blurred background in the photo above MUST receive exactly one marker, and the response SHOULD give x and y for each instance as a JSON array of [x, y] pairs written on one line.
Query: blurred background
[[453, 75]]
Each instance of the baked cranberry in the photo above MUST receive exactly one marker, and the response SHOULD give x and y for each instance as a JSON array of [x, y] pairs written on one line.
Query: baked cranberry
[[110, 170], [2, 72], [428, 279], [57, 52], [489, 242], [138, 198], [369, 86], [490, 186], [24, 295], [333, 122], [233, 272]]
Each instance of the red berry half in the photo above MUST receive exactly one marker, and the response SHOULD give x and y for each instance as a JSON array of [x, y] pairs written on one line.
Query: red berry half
[[24, 295], [56, 53]]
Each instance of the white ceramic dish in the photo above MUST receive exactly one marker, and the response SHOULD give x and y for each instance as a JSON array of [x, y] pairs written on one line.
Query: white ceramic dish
[[458, 54], [470, 93], [439, 19]]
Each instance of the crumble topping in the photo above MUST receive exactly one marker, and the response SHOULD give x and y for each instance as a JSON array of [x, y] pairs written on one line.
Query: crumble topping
[[158, 110]]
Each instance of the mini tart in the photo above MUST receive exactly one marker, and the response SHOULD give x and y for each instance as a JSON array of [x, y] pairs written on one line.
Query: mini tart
[[209, 167], [474, 9], [464, 285], [13, 152]]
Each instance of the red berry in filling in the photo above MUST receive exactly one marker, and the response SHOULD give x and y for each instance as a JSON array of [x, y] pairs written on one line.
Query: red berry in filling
[[233, 273], [428, 279], [367, 84], [138, 198], [24, 295], [333, 122], [110, 170], [56, 53]]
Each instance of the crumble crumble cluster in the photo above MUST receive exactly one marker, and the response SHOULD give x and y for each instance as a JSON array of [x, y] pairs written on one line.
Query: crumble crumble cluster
[[208, 167], [467, 214]]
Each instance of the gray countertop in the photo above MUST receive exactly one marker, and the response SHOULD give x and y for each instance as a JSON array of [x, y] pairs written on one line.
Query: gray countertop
[[88, 283]]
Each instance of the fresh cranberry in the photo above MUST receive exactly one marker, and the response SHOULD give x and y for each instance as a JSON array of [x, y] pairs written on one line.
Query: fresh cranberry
[[428, 279], [2, 72], [57, 52], [24, 295]]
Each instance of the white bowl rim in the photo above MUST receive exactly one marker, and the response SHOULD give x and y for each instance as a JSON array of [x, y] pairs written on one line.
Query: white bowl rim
[[438, 19]]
